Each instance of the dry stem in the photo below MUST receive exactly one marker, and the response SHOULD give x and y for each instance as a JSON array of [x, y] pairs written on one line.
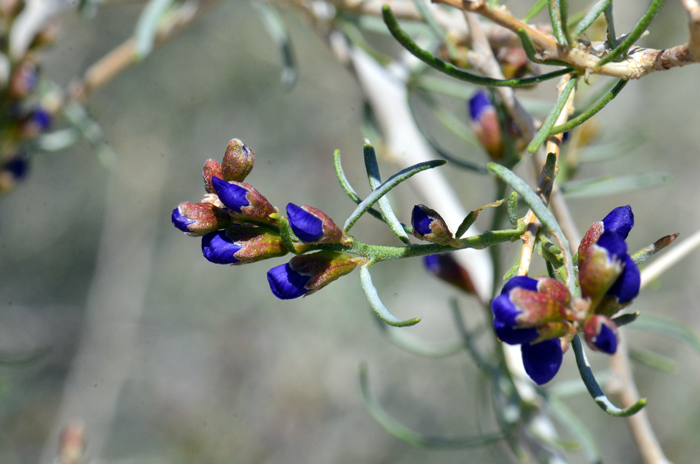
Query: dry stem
[[638, 63]]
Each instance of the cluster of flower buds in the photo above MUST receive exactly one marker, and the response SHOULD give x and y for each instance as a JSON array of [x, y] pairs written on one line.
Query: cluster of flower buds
[[542, 316], [486, 126], [25, 101], [238, 225]]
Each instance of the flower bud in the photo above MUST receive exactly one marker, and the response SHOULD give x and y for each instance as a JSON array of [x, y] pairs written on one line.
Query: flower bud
[[601, 334], [306, 274], [211, 169], [241, 245], [485, 124], [39, 121], [553, 330], [445, 267], [429, 225], [197, 219], [542, 360], [238, 161], [312, 225], [244, 201]]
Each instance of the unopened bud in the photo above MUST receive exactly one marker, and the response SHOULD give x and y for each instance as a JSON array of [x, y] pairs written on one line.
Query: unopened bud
[[238, 161], [312, 225], [241, 245], [429, 225], [244, 201], [197, 219], [211, 169]]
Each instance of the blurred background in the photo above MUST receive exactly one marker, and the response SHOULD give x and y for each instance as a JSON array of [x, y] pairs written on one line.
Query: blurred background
[[168, 358]]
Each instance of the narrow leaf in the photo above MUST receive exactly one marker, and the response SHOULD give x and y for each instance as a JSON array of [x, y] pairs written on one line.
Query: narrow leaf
[[548, 123], [649, 251], [590, 112], [594, 389], [375, 182], [604, 186], [668, 328], [278, 31], [403, 433], [535, 10], [147, 25], [350, 192], [386, 187], [591, 16], [452, 70], [541, 212], [376, 303]]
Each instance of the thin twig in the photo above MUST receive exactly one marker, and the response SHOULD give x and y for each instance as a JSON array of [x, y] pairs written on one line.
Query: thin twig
[[124, 56], [675, 254], [637, 64], [622, 383], [545, 186], [693, 9]]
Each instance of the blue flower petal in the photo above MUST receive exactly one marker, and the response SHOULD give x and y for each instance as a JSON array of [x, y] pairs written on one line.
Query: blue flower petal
[[614, 244], [305, 225], [606, 340], [620, 221], [18, 166], [512, 336], [542, 360], [421, 221], [231, 195], [180, 221], [528, 283], [286, 283], [41, 118], [626, 287], [479, 103], [504, 310], [218, 248]]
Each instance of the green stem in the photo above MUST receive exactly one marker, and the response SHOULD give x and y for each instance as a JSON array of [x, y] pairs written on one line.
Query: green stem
[[590, 112], [452, 70], [548, 124]]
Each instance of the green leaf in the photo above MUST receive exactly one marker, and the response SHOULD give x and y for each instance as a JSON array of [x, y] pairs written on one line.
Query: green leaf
[[647, 252], [403, 433], [375, 181], [604, 186], [147, 25], [376, 303], [592, 111], [541, 212], [594, 389], [274, 25], [417, 345], [578, 429], [548, 124], [591, 16], [654, 360], [608, 151], [624, 319], [451, 70], [350, 192], [535, 10], [386, 187], [668, 328], [639, 29]]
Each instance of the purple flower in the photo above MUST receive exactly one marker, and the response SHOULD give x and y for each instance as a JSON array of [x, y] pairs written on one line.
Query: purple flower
[[479, 103], [601, 334], [421, 220], [286, 283], [626, 287], [620, 221], [219, 248], [542, 360], [41, 119], [233, 196], [18, 166], [533, 313], [445, 267], [305, 225]]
